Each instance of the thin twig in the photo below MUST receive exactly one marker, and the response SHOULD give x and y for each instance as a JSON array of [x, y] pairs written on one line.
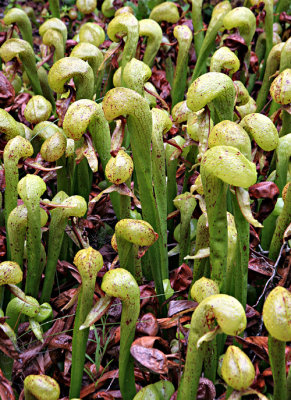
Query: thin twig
[[270, 280]]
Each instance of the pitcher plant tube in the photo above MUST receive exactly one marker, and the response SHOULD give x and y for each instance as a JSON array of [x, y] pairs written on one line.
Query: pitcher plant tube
[[131, 235], [121, 101], [89, 262], [74, 206], [216, 313], [120, 283], [30, 189], [276, 315]]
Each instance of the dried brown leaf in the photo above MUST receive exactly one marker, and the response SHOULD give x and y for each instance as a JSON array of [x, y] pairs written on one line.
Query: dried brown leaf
[[151, 359], [7, 93], [181, 278], [151, 341], [148, 325], [177, 306], [258, 344]]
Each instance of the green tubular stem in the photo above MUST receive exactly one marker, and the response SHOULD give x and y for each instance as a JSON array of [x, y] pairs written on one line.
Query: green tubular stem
[[120, 283], [30, 188], [127, 255], [31, 15], [289, 384], [77, 208], [243, 249], [86, 114], [14, 150], [19, 17], [244, 20], [202, 242], [232, 255], [215, 88], [17, 226], [121, 101], [17, 47], [83, 178], [46, 90], [72, 67], [230, 318], [277, 361], [65, 175], [55, 8], [186, 203], [169, 70], [221, 165], [135, 75], [210, 360], [54, 38], [184, 36], [216, 211], [161, 124], [286, 123], [41, 387], [269, 6], [171, 166], [127, 23], [130, 235], [282, 223], [270, 224], [191, 158], [260, 50], [219, 11], [125, 205], [283, 153], [197, 24], [89, 263], [89, 52], [153, 32], [272, 65]]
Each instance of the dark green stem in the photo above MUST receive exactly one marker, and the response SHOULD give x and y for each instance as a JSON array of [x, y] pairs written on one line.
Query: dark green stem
[[278, 365], [55, 8]]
